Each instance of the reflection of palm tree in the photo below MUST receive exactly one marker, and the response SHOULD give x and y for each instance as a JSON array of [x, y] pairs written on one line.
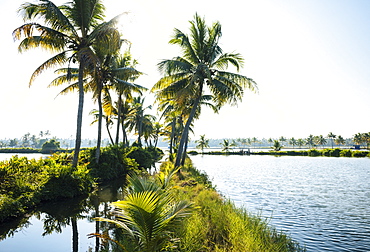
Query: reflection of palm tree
[[71, 31], [200, 66]]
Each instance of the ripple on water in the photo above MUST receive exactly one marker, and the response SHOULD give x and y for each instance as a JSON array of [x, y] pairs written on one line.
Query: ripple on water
[[322, 202]]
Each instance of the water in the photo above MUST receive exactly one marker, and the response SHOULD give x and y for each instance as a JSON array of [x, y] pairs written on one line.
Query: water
[[323, 203]]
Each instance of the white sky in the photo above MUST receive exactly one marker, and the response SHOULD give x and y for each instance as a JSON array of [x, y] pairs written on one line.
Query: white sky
[[310, 60]]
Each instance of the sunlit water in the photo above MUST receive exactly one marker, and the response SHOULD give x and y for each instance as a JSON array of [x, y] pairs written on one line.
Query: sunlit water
[[323, 203]]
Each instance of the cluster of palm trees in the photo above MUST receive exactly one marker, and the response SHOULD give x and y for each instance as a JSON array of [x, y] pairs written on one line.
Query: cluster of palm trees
[[277, 143], [88, 52]]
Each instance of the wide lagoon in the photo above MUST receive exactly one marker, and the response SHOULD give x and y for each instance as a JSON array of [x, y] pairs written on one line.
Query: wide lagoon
[[323, 203]]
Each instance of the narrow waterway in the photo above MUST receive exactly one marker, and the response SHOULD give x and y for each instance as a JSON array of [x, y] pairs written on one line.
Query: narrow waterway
[[322, 202]]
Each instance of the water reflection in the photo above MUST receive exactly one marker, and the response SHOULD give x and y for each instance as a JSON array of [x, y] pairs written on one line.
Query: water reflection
[[54, 225]]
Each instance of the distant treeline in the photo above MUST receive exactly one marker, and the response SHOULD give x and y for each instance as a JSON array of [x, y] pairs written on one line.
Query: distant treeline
[[337, 152]]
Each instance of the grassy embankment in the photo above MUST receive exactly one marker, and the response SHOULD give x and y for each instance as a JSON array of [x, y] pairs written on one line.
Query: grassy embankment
[[219, 225]]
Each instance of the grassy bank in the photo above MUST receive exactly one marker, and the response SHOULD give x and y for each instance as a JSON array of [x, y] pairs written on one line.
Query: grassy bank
[[311, 153], [219, 225]]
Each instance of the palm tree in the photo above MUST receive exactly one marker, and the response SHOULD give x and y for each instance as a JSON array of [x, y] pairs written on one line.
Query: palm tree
[[332, 137], [201, 65], [138, 120], [339, 140], [310, 141], [293, 142], [320, 140], [358, 138], [282, 140], [149, 215], [277, 146], [227, 146], [202, 142], [300, 142], [70, 30]]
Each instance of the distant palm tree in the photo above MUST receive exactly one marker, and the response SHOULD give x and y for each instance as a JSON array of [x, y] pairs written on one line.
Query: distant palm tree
[[277, 146], [332, 137], [300, 142], [339, 140], [320, 140], [70, 30], [202, 142], [202, 65], [310, 141], [282, 140], [227, 146], [293, 142]]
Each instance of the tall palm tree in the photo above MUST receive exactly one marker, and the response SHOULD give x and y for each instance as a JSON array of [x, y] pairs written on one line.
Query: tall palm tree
[[332, 137], [201, 65], [69, 30]]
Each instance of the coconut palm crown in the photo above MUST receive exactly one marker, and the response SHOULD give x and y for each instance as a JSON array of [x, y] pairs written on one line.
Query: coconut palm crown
[[68, 30], [202, 67]]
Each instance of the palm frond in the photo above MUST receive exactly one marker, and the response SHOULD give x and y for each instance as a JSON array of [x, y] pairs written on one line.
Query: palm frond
[[58, 59], [50, 14]]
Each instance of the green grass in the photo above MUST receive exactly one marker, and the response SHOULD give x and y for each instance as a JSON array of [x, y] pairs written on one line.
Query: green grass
[[219, 225]]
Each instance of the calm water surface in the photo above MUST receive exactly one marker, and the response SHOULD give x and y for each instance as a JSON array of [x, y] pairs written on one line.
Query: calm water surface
[[323, 203]]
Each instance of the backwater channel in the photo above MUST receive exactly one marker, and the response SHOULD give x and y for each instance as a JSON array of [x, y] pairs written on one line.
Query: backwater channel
[[322, 202]]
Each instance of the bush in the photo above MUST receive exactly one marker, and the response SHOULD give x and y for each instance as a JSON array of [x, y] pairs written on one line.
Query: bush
[[313, 153], [113, 163], [145, 157], [50, 146], [346, 153], [25, 183]]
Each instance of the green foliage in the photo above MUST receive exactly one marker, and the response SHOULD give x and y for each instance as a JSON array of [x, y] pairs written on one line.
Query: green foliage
[[50, 146], [25, 183], [145, 157], [113, 163], [149, 215]]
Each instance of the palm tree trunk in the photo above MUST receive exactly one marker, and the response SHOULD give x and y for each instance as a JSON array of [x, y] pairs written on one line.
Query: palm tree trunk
[[97, 154], [109, 134], [184, 153], [185, 133], [79, 113], [119, 116], [125, 140]]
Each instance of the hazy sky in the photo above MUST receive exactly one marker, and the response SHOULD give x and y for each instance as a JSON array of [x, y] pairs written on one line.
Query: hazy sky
[[310, 60]]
